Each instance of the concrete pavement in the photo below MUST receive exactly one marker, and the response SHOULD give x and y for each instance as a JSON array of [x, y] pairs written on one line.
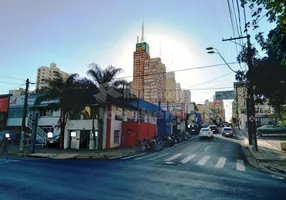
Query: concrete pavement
[[207, 169]]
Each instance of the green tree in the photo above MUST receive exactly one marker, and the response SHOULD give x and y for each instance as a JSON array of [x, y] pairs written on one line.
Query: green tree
[[71, 94], [107, 89]]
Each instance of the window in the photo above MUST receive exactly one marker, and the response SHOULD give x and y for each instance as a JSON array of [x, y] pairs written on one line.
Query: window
[[116, 139]]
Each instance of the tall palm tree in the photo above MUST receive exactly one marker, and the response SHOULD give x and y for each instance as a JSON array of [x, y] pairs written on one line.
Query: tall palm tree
[[107, 89], [70, 93]]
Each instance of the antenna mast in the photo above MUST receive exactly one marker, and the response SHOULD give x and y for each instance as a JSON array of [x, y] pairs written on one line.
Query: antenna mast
[[142, 34]]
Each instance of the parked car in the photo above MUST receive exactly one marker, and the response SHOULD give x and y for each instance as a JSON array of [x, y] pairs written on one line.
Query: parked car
[[270, 130], [214, 128], [227, 132], [206, 133], [54, 141]]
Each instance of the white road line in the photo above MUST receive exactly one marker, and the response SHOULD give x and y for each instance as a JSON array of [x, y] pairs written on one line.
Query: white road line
[[160, 156], [220, 162], [240, 165], [125, 158], [203, 160], [174, 157], [115, 157], [9, 160], [206, 148], [147, 156], [187, 159]]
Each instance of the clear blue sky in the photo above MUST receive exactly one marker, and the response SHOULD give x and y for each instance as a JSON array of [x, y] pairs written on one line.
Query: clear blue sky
[[75, 33]]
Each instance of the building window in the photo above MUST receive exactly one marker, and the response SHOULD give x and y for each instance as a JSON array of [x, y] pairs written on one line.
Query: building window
[[118, 114], [116, 139]]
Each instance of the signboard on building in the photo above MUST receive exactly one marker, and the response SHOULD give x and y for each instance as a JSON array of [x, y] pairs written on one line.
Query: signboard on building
[[18, 101], [224, 95], [142, 47], [3, 104]]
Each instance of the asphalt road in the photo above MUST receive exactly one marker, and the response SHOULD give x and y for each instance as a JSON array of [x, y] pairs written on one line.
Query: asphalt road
[[207, 169]]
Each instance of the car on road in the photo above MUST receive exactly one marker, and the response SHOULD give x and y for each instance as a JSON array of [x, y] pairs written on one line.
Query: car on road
[[214, 128], [270, 130], [54, 141], [206, 133], [227, 132]]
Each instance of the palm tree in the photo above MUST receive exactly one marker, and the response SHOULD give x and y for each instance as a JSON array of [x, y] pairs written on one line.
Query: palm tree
[[70, 93], [107, 89]]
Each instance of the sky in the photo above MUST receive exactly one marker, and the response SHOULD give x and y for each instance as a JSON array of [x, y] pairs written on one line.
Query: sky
[[73, 34]]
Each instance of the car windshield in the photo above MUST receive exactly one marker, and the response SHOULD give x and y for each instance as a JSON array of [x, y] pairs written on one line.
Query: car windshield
[[204, 129], [227, 129]]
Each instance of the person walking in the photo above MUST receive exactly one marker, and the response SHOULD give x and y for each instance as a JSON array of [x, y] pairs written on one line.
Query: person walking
[[4, 148]]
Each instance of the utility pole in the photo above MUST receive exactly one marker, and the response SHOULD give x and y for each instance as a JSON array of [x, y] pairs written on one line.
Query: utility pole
[[236, 99], [23, 128], [250, 106]]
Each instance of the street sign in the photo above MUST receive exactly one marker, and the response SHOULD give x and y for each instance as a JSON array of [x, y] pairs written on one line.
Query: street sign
[[224, 95]]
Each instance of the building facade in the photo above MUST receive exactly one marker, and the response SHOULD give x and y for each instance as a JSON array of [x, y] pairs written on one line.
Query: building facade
[[186, 96], [154, 80], [20, 91], [206, 113], [170, 87], [178, 92], [140, 55], [44, 73]]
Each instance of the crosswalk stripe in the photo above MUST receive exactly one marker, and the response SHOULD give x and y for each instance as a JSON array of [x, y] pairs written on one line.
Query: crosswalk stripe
[[203, 160], [187, 159], [147, 156], [220, 162], [240, 165], [160, 156], [174, 157], [125, 158], [9, 160], [115, 157]]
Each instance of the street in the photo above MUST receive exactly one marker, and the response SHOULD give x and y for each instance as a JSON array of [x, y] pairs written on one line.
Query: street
[[197, 169]]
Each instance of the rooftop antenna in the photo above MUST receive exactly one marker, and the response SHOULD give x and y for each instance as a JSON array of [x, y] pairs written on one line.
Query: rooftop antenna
[[142, 34], [137, 39]]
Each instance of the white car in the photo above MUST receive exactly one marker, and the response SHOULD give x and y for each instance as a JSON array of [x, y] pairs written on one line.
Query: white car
[[206, 133]]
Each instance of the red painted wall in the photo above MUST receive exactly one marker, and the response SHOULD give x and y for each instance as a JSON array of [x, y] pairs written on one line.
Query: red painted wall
[[136, 132]]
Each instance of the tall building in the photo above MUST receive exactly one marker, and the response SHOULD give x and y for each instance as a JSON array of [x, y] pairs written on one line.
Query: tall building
[[170, 87], [178, 92], [154, 80], [140, 55], [48, 73], [18, 92], [186, 96]]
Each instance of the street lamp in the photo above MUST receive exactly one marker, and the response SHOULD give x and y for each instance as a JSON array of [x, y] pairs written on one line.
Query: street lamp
[[212, 50]]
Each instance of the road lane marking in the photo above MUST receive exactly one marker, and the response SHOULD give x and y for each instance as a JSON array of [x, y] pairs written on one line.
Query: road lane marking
[[174, 157], [203, 160], [160, 156], [128, 157], [240, 165], [206, 148], [187, 159], [149, 155], [220, 162], [9, 160], [115, 157]]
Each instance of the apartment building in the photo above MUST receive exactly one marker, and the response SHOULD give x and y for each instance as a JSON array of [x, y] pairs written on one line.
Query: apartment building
[[44, 73]]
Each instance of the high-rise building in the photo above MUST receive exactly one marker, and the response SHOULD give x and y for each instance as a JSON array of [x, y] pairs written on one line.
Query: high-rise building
[[154, 80], [140, 55], [45, 73], [178, 93], [170, 87], [186, 96]]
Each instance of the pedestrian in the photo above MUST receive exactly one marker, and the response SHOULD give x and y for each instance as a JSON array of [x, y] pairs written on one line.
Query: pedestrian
[[4, 148]]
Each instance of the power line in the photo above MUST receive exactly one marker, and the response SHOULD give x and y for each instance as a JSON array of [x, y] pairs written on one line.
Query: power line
[[213, 88], [12, 78], [239, 19], [180, 70], [10, 83], [235, 19], [202, 83]]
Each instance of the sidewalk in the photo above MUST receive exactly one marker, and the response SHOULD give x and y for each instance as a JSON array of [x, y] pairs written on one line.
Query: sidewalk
[[267, 159], [56, 153]]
